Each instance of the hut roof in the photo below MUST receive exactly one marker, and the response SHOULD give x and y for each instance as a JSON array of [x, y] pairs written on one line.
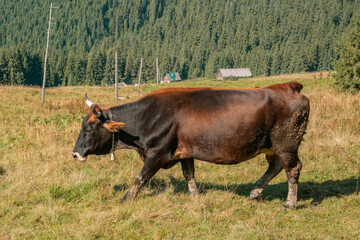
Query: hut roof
[[234, 72], [174, 76]]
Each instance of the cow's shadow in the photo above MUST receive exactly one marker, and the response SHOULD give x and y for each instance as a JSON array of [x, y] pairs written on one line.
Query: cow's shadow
[[316, 192]]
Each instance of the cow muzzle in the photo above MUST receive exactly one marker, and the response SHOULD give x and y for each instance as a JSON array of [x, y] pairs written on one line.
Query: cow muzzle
[[78, 157]]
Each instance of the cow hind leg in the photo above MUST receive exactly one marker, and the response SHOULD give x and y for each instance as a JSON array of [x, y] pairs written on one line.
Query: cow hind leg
[[189, 174], [292, 166], [274, 169]]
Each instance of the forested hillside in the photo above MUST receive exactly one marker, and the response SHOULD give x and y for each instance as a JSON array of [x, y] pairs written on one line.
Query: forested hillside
[[193, 37]]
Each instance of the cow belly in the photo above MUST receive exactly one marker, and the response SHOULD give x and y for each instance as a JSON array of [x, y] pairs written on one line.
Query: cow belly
[[222, 150], [229, 135]]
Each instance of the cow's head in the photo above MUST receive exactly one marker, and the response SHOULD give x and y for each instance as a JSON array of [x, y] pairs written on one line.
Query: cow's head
[[95, 136]]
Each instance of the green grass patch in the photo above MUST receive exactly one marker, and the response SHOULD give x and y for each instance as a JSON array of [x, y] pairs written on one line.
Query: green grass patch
[[45, 194]]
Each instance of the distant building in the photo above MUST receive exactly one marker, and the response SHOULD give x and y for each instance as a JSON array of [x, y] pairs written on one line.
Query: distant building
[[233, 72], [171, 77], [120, 84]]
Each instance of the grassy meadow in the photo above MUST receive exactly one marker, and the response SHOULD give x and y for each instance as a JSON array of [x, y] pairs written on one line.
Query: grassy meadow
[[45, 194]]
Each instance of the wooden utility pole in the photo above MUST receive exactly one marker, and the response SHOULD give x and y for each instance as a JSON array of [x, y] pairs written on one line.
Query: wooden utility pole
[[46, 55], [265, 67], [116, 59], [141, 61], [112, 158], [116, 76], [157, 70]]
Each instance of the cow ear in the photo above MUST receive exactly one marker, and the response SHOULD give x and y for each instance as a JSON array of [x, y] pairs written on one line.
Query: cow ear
[[114, 126], [96, 110]]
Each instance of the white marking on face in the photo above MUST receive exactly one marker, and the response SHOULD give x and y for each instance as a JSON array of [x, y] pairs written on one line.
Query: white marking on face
[[78, 157]]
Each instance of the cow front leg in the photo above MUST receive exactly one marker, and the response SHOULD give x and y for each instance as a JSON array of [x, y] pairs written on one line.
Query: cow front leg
[[273, 170], [146, 173], [189, 174]]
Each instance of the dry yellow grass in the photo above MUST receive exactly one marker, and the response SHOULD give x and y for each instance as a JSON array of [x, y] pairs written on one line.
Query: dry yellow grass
[[45, 194]]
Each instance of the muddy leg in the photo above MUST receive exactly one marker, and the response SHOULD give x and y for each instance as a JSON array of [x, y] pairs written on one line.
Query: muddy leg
[[189, 174], [273, 170], [141, 179], [292, 166]]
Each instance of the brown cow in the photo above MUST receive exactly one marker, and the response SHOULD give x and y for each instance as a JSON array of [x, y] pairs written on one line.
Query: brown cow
[[223, 126]]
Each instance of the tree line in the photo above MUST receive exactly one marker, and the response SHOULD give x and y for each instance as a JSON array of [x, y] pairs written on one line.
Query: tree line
[[194, 38]]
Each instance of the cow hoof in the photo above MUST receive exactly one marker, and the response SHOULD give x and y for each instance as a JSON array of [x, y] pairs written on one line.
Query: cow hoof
[[286, 208], [193, 196], [193, 193], [289, 206], [126, 197], [255, 195], [259, 197]]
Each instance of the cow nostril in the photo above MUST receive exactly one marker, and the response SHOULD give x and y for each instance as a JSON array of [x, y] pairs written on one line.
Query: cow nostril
[[78, 157]]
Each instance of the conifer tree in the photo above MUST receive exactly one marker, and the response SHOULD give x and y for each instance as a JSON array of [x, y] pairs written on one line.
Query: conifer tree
[[15, 67], [348, 65], [4, 73]]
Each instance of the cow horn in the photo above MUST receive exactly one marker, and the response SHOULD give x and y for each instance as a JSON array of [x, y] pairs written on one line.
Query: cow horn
[[92, 106], [88, 102]]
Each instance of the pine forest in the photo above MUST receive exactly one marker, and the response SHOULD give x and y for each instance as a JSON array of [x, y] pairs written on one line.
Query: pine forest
[[192, 37]]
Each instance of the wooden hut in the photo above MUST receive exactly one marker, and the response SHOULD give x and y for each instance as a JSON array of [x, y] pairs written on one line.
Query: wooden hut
[[233, 72]]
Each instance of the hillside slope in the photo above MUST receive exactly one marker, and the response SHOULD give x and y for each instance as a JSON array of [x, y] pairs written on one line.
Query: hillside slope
[[195, 38]]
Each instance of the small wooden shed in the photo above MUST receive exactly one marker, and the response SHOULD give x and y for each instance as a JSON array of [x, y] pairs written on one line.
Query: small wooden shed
[[233, 72]]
